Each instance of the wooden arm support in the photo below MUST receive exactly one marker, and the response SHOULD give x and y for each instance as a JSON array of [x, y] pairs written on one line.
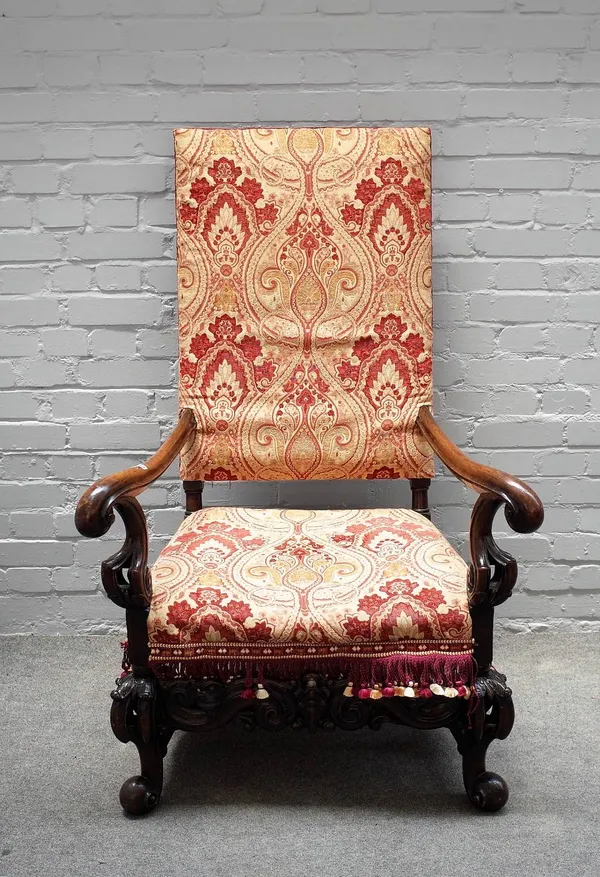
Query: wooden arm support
[[493, 572], [95, 515]]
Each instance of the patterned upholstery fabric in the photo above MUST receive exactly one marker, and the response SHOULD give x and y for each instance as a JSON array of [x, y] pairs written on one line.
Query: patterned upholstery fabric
[[289, 589], [304, 301]]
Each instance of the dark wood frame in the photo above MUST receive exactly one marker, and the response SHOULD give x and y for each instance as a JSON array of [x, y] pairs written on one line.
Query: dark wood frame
[[146, 710]]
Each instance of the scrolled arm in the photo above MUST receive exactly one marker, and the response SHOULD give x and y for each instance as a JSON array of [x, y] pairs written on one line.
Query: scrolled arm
[[125, 575], [493, 572], [94, 515]]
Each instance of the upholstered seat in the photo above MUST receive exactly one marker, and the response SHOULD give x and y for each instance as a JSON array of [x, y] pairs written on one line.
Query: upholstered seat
[[310, 589]]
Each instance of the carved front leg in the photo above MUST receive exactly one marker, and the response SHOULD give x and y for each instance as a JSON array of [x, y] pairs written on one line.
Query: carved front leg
[[136, 717], [491, 719]]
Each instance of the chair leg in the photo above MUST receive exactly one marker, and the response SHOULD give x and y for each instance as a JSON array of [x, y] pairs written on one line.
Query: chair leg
[[491, 719], [135, 718]]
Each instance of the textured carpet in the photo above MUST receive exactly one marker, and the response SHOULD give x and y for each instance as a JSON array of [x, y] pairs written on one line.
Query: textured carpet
[[287, 804]]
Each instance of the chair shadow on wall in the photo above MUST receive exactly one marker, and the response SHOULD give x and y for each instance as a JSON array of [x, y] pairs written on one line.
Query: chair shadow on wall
[[396, 769]]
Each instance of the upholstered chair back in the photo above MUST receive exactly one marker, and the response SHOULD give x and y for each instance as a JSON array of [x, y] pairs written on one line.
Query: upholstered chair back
[[304, 262]]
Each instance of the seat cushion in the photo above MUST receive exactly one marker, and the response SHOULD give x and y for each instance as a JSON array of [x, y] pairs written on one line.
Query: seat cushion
[[377, 592]]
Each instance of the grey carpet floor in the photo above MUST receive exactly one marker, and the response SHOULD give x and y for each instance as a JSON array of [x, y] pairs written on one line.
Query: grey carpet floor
[[287, 804]]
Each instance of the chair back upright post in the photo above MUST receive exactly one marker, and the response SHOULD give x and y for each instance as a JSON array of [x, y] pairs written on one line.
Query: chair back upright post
[[420, 496], [193, 496]]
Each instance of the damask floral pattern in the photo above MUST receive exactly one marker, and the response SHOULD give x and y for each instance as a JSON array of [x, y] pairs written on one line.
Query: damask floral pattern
[[270, 585], [305, 301]]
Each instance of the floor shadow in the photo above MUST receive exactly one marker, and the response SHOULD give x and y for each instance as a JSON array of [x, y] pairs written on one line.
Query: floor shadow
[[394, 768]]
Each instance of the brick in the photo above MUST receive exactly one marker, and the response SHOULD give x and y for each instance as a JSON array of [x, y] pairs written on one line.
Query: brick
[[157, 7], [415, 105], [35, 178], [18, 71], [588, 521], [240, 7], [581, 371], [114, 310], [157, 344], [522, 339], [587, 177], [464, 140], [32, 436], [111, 343], [326, 69], [64, 342], [31, 495], [227, 68], [520, 275], [152, 373], [585, 578], [177, 68], [584, 104], [71, 404], [583, 433], [67, 143], [559, 209], [435, 68], [340, 6], [115, 245], [501, 371], [583, 67], [586, 242], [511, 208], [25, 467], [118, 277], [110, 142], [577, 547], [171, 35], [15, 213], [564, 138], [29, 553], [114, 213], [29, 580], [69, 69], [114, 436], [105, 179], [205, 107], [25, 107], [32, 525], [521, 103], [488, 67], [96, 107], [159, 212], [564, 401], [532, 67], [127, 403], [42, 373], [71, 277], [48, 35], [308, 106], [463, 276], [18, 405], [61, 212], [38, 311], [124, 69], [22, 145], [528, 242], [376, 68], [549, 577], [15, 344], [511, 139], [516, 173], [465, 208], [532, 434]]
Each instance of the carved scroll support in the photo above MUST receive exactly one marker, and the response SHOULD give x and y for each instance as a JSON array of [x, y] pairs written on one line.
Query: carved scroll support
[[491, 719]]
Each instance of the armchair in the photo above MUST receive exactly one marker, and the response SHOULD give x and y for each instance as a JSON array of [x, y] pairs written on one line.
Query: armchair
[[305, 353]]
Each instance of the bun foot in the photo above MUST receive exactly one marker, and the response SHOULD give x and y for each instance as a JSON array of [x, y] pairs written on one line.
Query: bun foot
[[138, 796], [488, 792]]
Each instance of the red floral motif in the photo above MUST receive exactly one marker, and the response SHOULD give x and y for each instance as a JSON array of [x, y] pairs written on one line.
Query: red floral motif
[[251, 190], [225, 328], [265, 373], [416, 190], [207, 596], [431, 597], [220, 474], [363, 348], [260, 632], [224, 170], [352, 215], [239, 611], [371, 604], [424, 368], [188, 213], [200, 345], [200, 189], [383, 472], [390, 328], [267, 214], [180, 613], [187, 368], [250, 347], [366, 191], [347, 371], [413, 344], [357, 629], [391, 172]]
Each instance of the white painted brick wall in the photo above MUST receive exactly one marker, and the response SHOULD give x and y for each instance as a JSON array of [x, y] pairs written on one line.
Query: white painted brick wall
[[89, 93]]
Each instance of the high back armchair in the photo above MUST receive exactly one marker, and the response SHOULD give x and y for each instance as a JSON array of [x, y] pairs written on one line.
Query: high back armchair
[[305, 327]]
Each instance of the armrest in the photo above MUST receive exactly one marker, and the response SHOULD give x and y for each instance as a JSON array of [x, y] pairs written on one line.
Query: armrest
[[94, 515], [493, 572], [125, 575], [524, 511]]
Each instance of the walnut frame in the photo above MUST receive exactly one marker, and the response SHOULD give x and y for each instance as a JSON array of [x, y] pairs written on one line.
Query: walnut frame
[[146, 710]]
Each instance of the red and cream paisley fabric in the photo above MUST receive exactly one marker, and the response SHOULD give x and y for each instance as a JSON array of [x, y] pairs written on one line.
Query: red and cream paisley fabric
[[304, 301], [270, 585]]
